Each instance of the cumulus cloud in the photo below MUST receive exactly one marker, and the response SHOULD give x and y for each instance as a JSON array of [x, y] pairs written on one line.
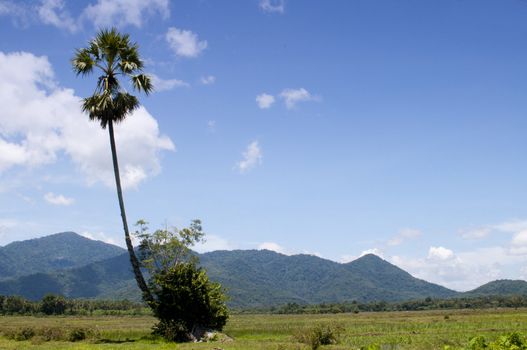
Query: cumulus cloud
[[41, 121], [440, 253], [251, 157], [166, 84], [403, 235], [106, 13], [275, 247], [265, 101], [185, 43], [53, 12], [208, 80], [272, 6], [465, 270], [292, 97], [58, 199], [212, 243]]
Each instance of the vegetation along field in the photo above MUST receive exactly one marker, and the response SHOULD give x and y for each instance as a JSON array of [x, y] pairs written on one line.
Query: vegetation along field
[[444, 329]]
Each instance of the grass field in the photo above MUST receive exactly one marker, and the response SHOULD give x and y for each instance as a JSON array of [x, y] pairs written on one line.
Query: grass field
[[390, 330]]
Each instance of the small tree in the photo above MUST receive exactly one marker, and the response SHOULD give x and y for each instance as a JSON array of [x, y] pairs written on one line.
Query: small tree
[[186, 302], [53, 304]]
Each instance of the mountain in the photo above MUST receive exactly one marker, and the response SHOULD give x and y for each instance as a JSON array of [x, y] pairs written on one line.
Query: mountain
[[500, 287], [264, 278], [58, 251], [252, 278]]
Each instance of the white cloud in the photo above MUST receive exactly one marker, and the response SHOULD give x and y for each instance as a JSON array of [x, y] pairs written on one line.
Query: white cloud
[[53, 12], [375, 251], [58, 199], [185, 43], [519, 243], [208, 80], [264, 100], [251, 157], [440, 253], [106, 13], [465, 270], [403, 235], [475, 233], [511, 226], [277, 6], [101, 236], [18, 11], [275, 247], [213, 243], [293, 96], [42, 121], [166, 84]]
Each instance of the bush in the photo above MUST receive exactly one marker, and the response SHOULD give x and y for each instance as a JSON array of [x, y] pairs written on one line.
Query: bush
[[187, 303], [511, 341], [78, 334], [320, 335], [25, 333], [51, 333]]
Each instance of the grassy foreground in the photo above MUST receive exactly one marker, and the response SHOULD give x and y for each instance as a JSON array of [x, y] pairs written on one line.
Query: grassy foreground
[[389, 330]]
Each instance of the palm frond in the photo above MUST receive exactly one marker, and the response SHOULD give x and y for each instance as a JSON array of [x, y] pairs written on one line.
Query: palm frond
[[82, 62], [142, 82]]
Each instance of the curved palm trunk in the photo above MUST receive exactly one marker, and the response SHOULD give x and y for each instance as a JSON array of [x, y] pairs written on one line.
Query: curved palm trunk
[[147, 295]]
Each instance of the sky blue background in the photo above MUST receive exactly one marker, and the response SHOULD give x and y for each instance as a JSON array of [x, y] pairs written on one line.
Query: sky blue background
[[421, 123]]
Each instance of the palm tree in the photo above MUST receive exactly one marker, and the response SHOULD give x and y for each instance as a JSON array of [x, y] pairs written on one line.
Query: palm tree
[[115, 57]]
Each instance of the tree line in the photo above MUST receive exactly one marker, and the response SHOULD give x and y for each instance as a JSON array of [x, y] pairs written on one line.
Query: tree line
[[58, 305], [482, 302]]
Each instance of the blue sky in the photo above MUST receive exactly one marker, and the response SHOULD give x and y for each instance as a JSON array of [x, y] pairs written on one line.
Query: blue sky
[[304, 126]]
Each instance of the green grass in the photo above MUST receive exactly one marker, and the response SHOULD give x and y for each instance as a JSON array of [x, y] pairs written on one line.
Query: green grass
[[394, 330]]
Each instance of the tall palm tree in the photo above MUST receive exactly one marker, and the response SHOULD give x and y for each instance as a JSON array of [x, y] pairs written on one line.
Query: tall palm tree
[[114, 56]]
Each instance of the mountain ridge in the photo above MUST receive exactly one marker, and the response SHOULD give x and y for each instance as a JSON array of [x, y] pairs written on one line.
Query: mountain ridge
[[49, 253], [252, 278]]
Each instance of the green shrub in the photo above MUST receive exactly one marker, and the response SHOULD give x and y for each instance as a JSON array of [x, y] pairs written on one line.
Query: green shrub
[[187, 301], [320, 335], [511, 341], [25, 333], [78, 334], [477, 343], [51, 333]]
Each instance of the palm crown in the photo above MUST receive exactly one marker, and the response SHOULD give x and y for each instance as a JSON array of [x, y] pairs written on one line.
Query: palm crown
[[114, 55]]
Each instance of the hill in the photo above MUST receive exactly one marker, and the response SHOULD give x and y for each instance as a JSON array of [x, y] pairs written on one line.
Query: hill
[[50, 253], [500, 287], [263, 278], [252, 278]]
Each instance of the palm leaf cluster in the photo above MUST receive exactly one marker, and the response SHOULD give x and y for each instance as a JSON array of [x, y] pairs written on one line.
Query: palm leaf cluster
[[114, 55]]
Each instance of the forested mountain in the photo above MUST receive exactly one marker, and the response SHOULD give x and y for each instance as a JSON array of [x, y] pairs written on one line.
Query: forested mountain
[[500, 287], [58, 251], [263, 278], [252, 278]]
